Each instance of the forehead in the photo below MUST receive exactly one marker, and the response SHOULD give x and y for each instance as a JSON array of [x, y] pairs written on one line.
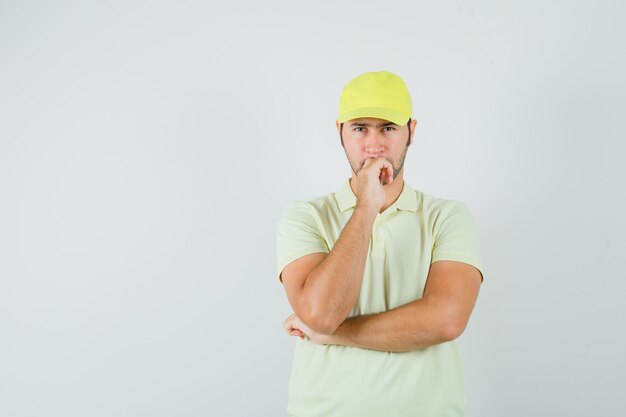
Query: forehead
[[369, 121]]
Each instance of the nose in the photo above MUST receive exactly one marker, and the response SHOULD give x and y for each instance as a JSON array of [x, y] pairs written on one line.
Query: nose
[[374, 144]]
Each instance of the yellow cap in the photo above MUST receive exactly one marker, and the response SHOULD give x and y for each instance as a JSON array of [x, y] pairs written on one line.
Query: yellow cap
[[382, 95]]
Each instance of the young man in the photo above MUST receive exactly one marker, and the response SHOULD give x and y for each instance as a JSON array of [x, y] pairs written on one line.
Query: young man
[[382, 278]]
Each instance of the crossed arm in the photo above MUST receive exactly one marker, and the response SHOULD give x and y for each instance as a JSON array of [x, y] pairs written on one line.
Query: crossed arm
[[322, 288]]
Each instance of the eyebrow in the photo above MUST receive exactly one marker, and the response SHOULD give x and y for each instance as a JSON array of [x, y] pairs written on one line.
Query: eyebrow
[[369, 124]]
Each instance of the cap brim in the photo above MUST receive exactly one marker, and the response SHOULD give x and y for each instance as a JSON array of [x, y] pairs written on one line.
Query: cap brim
[[377, 112]]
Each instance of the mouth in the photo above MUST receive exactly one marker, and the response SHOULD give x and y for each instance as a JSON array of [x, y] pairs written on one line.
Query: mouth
[[374, 157]]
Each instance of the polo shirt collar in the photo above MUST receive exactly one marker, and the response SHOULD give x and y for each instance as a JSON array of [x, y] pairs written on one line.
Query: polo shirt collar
[[407, 200]]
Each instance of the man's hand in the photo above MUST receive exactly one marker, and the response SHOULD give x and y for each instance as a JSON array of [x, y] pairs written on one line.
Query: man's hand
[[296, 327], [375, 173]]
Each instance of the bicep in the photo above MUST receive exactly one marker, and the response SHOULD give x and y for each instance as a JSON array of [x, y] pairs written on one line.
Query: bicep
[[294, 275], [454, 287]]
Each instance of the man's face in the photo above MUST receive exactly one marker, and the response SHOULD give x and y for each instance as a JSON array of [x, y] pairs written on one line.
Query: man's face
[[372, 138]]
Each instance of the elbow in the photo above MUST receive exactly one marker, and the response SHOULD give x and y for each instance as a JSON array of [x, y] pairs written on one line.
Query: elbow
[[450, 332], [451, 329], [325, 328], [319, 321]]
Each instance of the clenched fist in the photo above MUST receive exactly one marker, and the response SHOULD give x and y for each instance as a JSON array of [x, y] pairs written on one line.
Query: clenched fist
[[375, 173]]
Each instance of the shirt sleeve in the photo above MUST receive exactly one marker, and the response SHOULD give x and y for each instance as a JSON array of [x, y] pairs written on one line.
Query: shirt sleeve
[[299, 234], [456, 236]]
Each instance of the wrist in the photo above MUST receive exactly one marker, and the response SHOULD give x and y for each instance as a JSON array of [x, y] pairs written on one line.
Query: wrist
[[368, 212], [342, 335]]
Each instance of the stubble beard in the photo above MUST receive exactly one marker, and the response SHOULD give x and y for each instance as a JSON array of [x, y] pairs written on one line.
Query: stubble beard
[[396, 167]]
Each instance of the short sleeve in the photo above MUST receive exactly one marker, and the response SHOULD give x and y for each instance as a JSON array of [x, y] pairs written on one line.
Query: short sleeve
[[456, 236], [299, 233]]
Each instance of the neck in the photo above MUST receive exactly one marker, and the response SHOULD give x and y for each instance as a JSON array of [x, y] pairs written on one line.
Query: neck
[[392, 191]]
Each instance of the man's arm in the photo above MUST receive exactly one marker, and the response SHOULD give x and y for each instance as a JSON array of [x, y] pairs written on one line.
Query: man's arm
[[322, 295], [439, 316]]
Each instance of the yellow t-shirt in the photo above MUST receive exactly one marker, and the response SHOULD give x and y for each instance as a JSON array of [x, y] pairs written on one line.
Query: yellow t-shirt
[[344, 381]]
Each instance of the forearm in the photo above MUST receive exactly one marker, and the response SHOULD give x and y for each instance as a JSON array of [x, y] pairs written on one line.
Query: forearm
[[332, 288], [416, 325]]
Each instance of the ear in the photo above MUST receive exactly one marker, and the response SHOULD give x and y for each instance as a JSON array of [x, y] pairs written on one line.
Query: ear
[[412, 132], [339, 132]]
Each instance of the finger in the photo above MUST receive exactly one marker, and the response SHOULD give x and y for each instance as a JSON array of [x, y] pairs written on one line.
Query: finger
[[382, 163], [386, 174], [374, 161], [368, 161], [288, 320], [288, 325]]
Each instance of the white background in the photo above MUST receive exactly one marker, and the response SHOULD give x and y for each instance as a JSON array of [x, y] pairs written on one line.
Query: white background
[[148, 149]]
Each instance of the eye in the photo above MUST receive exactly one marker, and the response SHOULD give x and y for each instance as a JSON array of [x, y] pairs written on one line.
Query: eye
[[390, 128], [358, 129]]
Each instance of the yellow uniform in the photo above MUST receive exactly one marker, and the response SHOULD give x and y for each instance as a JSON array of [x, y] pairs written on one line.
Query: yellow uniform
[[344, 381]]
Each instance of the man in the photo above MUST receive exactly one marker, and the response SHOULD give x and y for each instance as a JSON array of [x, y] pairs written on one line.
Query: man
[[382, 278]]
